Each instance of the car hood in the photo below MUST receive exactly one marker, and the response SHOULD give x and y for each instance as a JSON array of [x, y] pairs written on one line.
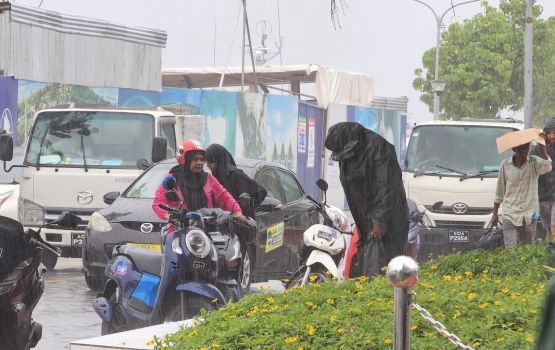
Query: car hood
[[130, 209]]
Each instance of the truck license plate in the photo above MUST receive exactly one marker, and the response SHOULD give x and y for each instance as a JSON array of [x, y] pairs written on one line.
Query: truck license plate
[[77, 239], [457, 236]]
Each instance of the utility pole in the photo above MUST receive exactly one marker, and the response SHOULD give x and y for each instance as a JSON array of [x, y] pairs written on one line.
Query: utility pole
[[528, 64]]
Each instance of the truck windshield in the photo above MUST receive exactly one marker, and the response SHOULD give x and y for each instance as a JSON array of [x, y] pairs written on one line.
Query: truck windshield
[[92, 139], [465, 151]]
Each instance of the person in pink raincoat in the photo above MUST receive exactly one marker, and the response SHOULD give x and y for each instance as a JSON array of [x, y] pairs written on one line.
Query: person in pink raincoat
[[198, 188]]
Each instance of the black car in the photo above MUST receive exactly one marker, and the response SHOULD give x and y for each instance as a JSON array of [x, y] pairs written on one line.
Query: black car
[[281, 220]]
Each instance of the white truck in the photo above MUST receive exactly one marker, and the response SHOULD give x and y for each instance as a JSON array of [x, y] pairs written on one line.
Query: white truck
[[74, 156], [456, 163]]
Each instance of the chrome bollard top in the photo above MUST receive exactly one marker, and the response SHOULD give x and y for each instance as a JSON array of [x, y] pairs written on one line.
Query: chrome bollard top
[[402, 272]]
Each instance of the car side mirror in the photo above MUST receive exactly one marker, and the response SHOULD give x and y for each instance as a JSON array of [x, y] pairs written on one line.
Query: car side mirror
[[67, 220], [110, 197], [270, 204], [6, 147]]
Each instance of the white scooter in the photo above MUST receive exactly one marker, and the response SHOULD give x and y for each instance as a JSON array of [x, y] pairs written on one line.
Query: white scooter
[[323, 254]]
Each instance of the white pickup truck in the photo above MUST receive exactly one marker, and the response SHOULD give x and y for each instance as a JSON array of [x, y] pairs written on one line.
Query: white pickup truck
[[456, 163], [74, 156]]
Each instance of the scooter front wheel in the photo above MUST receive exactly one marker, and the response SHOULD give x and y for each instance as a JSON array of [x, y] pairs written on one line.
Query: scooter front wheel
[[192, 306], [317, 274]]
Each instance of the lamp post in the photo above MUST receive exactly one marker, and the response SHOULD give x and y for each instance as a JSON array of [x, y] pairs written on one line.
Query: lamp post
[[439, 20]]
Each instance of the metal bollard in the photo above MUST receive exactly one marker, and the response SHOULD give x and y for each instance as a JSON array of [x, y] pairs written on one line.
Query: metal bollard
[[402, 272]]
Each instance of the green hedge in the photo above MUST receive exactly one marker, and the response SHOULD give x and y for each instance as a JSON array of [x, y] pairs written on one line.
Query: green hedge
[[491, 300]]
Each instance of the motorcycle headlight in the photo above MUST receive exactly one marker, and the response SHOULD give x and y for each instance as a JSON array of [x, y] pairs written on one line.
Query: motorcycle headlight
[[31, 214], [198, 243], [176, 247], [98, 222], [340, 221]]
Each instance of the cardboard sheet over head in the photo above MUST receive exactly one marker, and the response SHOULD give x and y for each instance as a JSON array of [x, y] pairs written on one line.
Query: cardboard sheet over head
[[516, 138]]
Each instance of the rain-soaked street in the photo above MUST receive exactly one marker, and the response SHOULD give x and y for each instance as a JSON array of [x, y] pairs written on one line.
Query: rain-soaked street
[[65, 310]]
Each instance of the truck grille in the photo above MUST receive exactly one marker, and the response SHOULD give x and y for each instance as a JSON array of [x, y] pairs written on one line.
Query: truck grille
[[52, 214], [469, 211], [459, 225]]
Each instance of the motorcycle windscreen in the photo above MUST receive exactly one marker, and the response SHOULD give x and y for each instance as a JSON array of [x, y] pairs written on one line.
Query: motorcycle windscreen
[[146, 290]]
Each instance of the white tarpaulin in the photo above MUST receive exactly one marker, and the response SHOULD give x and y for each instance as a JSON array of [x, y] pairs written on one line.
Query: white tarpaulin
[[343, 88]]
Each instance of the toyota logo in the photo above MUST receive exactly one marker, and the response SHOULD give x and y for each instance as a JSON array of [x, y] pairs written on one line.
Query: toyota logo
[[147, 227], [459, 208], [84, 197]]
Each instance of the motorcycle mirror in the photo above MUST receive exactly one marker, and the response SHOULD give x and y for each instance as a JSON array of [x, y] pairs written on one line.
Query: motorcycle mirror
[[244, 200], [169, 183], [437, 205], [322, 184], [67, 220]]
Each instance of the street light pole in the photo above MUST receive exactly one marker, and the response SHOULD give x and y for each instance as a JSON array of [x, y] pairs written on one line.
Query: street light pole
[[439, 20]]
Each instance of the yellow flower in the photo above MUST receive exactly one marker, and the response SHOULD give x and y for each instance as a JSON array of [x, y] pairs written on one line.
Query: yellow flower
[[215, 345], [505, 290], [468, 274], [484, 305], [290, 340], [413, 328], [271, 300], [458, 277], [313, 278], [434, 267], [360, 286], [500, 339], [150, 342], [456, 315], [471, 296], [203, 348], [333, 318], [310, 329], [300, 348], [340, 330], [497, 303], [447, 278], [529, 339], [388, 341], [330, 301]]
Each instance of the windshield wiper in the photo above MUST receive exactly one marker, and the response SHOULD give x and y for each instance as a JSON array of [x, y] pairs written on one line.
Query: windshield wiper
[[479, 174], [451, 170], [429, 173], [42, 144], [83, 150]]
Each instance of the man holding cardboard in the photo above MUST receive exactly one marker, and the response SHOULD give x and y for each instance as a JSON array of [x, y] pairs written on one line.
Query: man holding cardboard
[[517, 185]]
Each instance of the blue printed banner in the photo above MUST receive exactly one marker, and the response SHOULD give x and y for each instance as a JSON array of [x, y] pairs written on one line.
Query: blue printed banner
[[8, 106]]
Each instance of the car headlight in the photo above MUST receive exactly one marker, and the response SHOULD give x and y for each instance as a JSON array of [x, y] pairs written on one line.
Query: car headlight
[[30, 214], [198, 243], [97, 222]]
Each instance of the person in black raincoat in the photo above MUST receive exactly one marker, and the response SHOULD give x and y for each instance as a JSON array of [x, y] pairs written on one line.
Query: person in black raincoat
[[372, 181], [235, 181]]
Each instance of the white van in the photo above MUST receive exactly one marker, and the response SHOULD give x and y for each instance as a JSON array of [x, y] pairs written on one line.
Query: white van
[[74, 156], [456, 163]]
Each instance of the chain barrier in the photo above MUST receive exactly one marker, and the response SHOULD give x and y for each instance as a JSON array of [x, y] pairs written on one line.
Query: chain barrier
[[439, 326]]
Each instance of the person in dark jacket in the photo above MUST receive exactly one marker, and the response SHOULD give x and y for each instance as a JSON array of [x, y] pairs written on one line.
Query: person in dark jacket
[[371, 178], [546, 182], [235, 181]]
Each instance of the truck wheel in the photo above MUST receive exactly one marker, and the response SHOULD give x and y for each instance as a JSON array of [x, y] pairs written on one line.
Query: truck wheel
[[94, 283], [49, 260]]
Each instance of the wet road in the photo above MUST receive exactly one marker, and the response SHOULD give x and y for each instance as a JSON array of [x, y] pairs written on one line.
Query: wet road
[[65, 310]]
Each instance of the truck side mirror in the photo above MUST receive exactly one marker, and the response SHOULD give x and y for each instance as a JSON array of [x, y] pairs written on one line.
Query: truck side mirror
[[159, 146], [6, 147]]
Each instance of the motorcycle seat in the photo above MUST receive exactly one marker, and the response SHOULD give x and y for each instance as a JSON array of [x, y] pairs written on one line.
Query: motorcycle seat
[[146, 260]]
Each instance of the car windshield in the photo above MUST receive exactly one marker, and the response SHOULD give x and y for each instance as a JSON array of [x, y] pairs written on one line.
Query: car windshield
[[94, 139], [455, 150], [146, 185]]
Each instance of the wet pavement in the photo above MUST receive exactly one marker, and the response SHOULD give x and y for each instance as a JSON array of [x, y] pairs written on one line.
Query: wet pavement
[[65, 310]]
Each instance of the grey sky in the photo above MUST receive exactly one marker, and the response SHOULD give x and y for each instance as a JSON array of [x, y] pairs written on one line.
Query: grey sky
[[385, 39]]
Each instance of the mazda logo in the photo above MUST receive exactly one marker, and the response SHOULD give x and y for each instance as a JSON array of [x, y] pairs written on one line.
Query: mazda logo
[[459, 208], [147, 227], [84, 197]]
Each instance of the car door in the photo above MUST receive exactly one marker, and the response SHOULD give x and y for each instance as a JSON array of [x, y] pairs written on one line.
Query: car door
[[299, 214], [272, 255]]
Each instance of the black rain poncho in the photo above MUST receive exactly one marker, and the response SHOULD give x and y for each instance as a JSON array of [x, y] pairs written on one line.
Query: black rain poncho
[[13, 247], [372, 181], [234, 179]]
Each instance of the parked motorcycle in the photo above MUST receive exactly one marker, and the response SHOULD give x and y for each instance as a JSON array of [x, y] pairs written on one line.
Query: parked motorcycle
[[146, 287], [323, 255], [416, 223], [21, 280]]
